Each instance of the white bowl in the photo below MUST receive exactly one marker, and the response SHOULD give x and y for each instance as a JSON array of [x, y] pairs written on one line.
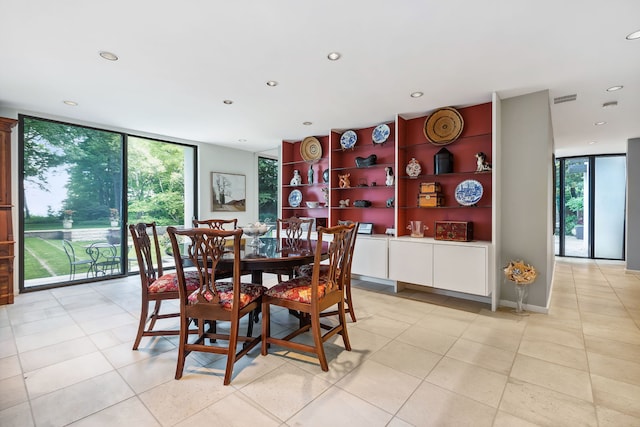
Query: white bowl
[[312, 204]]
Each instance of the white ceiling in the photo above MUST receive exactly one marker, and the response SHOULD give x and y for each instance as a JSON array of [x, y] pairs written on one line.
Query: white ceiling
[[180, 59]]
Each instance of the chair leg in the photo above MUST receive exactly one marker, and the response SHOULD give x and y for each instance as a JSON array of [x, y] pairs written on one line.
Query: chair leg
[[343, 321], [266, 328], [144, 310], [154, 315], [349, 302], [231, 355], [184, 336], [316, 330]]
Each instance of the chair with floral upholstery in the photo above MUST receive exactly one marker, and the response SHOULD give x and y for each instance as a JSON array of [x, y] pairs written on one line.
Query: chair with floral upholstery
[[156, 286], [213, 300], [311, 295], [291, 233]]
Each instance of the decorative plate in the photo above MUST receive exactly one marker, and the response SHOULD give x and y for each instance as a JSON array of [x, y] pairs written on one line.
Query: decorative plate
[[310, 149], [348, 139], [443, 126], [413, 168], [381, 133], [295, 198], [468, 192]]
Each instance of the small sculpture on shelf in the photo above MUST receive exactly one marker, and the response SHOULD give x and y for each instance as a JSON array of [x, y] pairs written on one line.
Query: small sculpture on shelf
[[390, 202], [389, 176], [344, 180], [365, 162], [310, 174], [325, 194], [482, 164], [344, 203], [297, 179], [325, 175]]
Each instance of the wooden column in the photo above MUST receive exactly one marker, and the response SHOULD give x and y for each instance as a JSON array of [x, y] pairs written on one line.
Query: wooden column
[[6, 228]]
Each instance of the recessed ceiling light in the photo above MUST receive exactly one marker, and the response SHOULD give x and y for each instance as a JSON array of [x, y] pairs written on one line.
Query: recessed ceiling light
[[71, 103], [610, 104], [109, 56], [272, 83], [633, 36], [307, 123], [228, 101], [416, 94], [600, 123], [614, 88], [334, 56]]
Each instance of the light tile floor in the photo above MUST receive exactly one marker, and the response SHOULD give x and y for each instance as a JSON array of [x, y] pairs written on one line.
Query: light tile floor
[[66, 359]]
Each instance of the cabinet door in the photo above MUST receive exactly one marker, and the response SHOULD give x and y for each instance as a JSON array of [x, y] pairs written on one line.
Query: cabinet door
[[460, 268], [411, 262], [370, 257]]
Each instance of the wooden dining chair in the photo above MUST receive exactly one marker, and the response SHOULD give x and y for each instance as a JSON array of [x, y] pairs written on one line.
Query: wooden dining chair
[[156, 286], [311, 295], [306, 270], [213, 300], [217, 224], [291, 233]]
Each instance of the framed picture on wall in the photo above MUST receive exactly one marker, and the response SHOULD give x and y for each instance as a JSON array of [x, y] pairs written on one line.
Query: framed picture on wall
[[228, 192]]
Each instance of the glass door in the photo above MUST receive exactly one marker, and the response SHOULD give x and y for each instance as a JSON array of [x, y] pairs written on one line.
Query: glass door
[[590, 206]]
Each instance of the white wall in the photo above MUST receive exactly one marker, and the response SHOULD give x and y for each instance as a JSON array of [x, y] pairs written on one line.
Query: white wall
[[526, 183], [633, 205]]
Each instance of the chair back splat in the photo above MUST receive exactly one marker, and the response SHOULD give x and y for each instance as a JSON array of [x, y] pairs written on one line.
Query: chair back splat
[[217, 224], [311, 295], [213, 300]]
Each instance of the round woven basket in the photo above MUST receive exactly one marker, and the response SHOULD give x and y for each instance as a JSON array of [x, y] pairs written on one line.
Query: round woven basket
[[443, 126], [310, 149]]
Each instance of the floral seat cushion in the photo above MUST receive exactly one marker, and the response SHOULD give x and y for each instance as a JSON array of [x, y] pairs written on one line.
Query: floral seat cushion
[[169, 282], [249, 292], [297, 289], [307, 270]]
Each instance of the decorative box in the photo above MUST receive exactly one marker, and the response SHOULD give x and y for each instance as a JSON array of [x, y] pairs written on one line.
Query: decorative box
[[430, 187], [459, 231], [430, 200]]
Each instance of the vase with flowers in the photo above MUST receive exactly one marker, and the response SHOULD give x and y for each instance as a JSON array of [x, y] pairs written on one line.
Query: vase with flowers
[[523, 275], [67, 219]]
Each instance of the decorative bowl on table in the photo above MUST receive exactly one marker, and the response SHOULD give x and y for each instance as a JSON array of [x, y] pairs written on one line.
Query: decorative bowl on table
[[312, 204], [254, 231]]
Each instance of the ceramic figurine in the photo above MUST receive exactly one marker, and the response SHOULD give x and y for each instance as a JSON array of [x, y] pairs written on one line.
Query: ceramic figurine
[[325, 194], [389, 176], [344, 180], [344, 203], [297, 179], [310, 175], [481, 162]]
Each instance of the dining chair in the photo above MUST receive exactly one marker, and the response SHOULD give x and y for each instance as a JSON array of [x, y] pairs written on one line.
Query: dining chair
[[310, 295], [291, 233], [156, 286], [217, 224], [306, 270], [74, 261], [213, 300]]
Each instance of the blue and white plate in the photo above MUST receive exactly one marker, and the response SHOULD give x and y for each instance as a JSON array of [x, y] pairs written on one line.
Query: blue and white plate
[[381, 133], [295, 198], [348, 139], [468, 192]]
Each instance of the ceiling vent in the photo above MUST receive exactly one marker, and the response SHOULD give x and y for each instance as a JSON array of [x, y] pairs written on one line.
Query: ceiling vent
[[566, 98]]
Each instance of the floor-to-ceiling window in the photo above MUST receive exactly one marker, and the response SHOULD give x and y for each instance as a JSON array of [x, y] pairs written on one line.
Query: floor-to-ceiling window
[[590, 206], [81, 187], [267, 189]]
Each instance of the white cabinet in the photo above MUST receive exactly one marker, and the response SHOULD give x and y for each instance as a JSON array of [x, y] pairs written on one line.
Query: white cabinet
[[411, 260], [461, 268], [370, 256]]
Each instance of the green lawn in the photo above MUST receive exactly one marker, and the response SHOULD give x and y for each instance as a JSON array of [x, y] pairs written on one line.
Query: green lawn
[[47, 258]]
